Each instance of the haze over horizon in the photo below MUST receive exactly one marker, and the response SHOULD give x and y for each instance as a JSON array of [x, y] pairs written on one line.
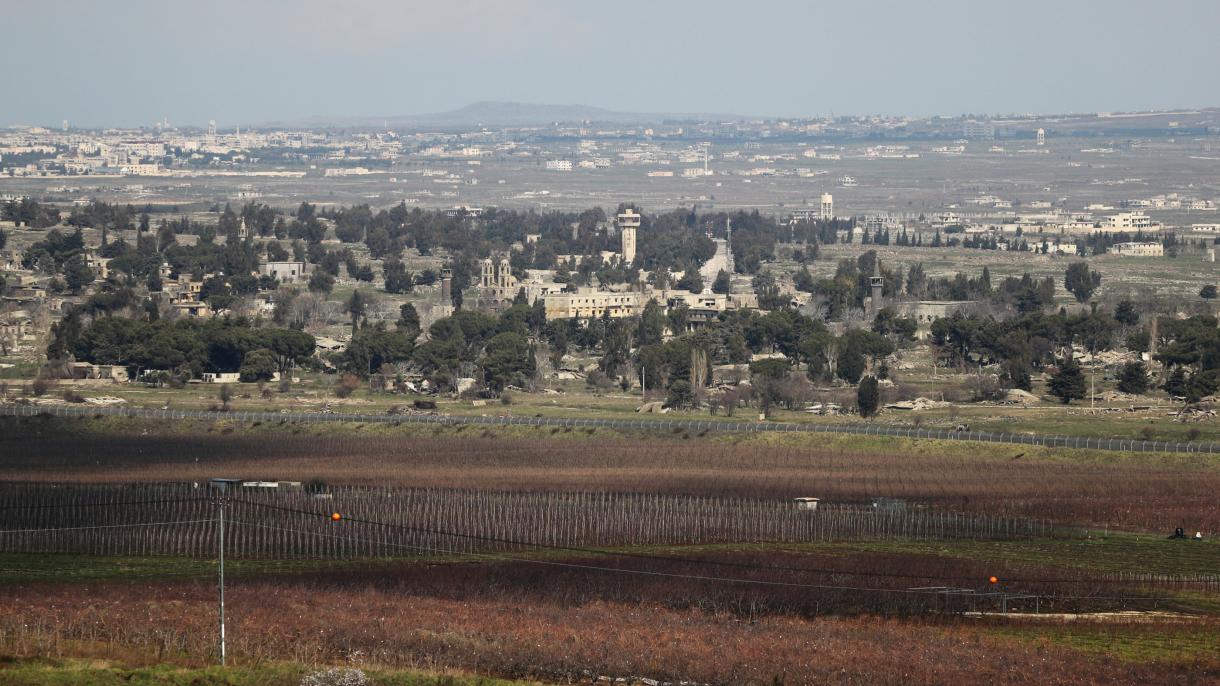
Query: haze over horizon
[[134, 62]]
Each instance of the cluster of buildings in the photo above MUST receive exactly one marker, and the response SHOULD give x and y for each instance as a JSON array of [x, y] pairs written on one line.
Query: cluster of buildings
[[498, 286]]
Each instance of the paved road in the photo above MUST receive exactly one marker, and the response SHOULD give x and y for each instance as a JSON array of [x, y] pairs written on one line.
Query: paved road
[[667, 425]]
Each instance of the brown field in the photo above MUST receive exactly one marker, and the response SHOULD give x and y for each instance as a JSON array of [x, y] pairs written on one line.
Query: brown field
[[513, 631], [1147, 493], [561, 556]]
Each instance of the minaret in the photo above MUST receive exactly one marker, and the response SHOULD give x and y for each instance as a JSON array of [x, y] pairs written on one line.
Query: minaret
[[877, 282], [628, 222], [728, 243]]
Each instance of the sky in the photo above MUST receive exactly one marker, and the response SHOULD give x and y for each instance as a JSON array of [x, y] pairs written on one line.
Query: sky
[[132, 62]]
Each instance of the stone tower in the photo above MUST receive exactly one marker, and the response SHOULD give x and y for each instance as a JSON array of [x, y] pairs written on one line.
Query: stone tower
[[877, 283], [628, 223], [488, 276], [505, 274]]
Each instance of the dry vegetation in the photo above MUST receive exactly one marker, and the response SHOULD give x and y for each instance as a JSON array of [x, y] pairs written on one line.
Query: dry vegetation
[[537, 636], [468, 550]]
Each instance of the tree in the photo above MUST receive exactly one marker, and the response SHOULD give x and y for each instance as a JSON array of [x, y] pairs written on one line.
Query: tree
[[868, 396], [1067, 383], [373, 348], [691, 281], [803, 281], [259, 365], [225, 394], [1133, 378], [723, 283], [321, 282], [680, 395], [357, 307], [771, 368], [77, 274], [397, 278], [1208, 292], [1081, 281], [849, 364], [652, 324], [408, 319], [507, 360], [1126, 313]]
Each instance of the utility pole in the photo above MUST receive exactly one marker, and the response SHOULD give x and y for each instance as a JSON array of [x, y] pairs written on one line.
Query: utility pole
[[1092, 381], [220, 515], [221, 487]]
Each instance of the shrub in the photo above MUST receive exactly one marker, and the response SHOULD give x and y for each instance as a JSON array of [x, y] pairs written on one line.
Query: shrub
[[225, 394], [680, 395], [71, 396], [336, 676], [40, 386], [506, 399], [348, 383]]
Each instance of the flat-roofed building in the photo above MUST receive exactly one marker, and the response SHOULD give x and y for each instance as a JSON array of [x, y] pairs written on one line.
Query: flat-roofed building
[[284, 272], [1144, 249]]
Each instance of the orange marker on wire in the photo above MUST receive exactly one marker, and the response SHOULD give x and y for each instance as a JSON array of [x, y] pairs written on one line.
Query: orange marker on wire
[[336, 517]]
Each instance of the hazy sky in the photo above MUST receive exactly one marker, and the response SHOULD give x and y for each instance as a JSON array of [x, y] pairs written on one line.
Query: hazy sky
[[125, 62]]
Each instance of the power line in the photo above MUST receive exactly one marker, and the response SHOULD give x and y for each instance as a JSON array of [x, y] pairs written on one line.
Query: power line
[[104, 526], [60, 506]]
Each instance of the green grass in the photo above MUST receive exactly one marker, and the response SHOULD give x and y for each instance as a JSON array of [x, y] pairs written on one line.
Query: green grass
[[46, 672], [1137, 643], [1112, 553]]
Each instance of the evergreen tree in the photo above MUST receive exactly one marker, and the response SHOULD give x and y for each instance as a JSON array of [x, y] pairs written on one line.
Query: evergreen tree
[[1126, 313], [1133, 378], [1081, 281], [868, 396], [1067, 383]]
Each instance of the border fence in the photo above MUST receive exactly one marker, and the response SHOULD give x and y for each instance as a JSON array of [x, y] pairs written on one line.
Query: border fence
[[666, 425]]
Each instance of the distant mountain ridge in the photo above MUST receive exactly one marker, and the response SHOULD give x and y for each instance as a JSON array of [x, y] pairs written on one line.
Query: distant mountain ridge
[[496, 113]]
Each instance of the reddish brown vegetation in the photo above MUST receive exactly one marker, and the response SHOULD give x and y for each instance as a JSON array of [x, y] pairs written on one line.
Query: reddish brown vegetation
[[500, 635], [180, 519], [1146, 495]]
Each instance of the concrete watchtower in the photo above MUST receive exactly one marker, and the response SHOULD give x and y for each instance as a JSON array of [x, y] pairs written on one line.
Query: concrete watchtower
[[628, 223]]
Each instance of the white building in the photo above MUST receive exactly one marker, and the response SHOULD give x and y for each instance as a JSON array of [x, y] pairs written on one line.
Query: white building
[[284, 272], [1129, 221], [1149, 249], [828, 207], [1041, 136], [559, 165], [978, 129]]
